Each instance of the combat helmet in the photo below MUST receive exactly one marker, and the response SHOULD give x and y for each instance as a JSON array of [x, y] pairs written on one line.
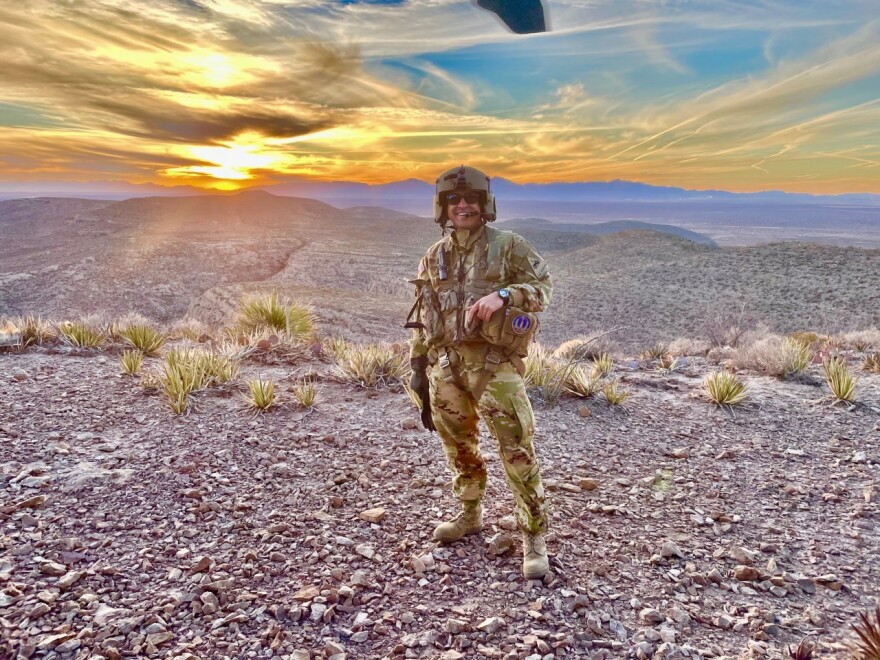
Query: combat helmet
[[462, 179]]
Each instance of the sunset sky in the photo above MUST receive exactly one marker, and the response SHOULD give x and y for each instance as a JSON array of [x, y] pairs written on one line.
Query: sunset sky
[[739, 95]]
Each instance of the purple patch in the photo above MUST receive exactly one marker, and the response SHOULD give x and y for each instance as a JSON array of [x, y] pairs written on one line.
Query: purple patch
[[521, 324]]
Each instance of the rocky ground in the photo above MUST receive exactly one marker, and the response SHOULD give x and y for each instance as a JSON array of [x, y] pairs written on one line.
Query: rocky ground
[[678, 529]]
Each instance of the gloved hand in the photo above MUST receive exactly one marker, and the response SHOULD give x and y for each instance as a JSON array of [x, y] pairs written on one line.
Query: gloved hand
[[419, 384]]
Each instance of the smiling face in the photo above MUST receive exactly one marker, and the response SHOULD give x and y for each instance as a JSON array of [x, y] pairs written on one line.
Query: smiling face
[[463, 210]]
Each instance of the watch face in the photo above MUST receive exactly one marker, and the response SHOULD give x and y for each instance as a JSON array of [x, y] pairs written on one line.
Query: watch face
[[504, 293]]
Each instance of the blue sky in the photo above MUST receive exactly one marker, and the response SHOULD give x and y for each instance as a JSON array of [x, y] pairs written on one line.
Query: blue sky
[[764, 94]]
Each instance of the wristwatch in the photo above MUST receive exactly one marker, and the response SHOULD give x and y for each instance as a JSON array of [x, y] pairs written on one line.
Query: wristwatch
[[505, 296]]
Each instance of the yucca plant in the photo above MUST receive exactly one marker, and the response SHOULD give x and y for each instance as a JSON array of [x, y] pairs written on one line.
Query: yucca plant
[[177, 383], [668, 364], [796, 357], [262, 394], [540, 366], [840, 380], [580, 383], [35, 330], [413, 397], [872, 362], [655, 352], [333, 346], [270, 311], [724, 388], [803, 651], [80, 335], [868, 646], [305, 392], [131, 362], [603, 366], [613, 394], [143, 338], [371, 365]]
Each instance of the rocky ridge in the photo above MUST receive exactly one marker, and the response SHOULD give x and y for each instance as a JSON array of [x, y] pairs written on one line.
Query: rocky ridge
[[679, 530]]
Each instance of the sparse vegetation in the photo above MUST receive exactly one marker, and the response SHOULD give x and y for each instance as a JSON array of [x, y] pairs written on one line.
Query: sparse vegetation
[[580, 383], [539, 366], [781, 357], [188, 370], [872, 362], [725, 388], [655, 352], [840, 379], [35, 330], [143, 338], [684, 346], [333, 347], [868, 646], [726, 328], [306, 392], [584, 347], [269, 311], [803, 651], [81, 335], [371, 365], [131, 361], [862, 340], [262, 394], [614, 395], [603, 365]]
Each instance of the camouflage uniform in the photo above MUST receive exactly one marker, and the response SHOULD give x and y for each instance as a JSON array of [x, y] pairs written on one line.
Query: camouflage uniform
[[479, 262]]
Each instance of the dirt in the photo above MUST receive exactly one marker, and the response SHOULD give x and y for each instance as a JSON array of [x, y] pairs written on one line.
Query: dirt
[[224, 534]]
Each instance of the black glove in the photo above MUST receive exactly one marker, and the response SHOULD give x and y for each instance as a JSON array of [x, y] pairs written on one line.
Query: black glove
[[419, 384]]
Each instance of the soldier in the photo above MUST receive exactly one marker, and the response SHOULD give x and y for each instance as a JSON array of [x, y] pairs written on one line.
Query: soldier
[[477, 294]]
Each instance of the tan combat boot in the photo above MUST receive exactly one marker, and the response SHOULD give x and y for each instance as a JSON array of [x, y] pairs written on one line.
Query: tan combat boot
[[535, 563], [469, 521]]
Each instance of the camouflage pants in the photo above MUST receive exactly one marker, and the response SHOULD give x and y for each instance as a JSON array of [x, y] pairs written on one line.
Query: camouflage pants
[[506, 409]]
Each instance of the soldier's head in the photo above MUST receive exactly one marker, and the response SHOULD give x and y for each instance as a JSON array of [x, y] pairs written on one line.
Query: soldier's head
[[464, 198]]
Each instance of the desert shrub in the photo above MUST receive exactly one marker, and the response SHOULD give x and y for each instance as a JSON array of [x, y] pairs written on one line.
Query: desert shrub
[[724, 388], [580, 383], [872, 362], [261, 394], [668, 364], [306, 392], [613, 394], [81, 335], [333, 347], [726, 328], [131, 361], [371, 365], [144, 338], [720, 354], [603, 365], [773, 355], [585, 347], [868, 646], [190, 329], [683, 346], [808, 338], [840, 380], [655, 352], [862, 340], [269, 311]]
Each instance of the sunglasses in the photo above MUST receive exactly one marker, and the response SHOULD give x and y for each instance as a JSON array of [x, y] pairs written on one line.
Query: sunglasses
[[470, 198]]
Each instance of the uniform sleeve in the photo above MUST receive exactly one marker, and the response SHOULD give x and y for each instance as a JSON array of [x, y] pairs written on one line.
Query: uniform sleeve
[[417, 345], [530, 285]]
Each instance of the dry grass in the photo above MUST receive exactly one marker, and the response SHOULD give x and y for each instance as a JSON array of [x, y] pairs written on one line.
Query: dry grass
[[580, 383], [868, 646], [191, 330], [781, 357], [306, 392], [655, 352], [614, 395], [872, 362], [602, 366], [189, 370], [144, 338], [585, 347], [862, 340], [685, 347]]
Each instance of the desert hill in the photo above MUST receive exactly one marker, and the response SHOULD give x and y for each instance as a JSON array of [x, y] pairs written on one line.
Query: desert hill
[[679, 530], [169, 257]]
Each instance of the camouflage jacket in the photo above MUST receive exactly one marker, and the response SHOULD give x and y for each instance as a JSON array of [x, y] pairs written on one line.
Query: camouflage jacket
[[477, 263]]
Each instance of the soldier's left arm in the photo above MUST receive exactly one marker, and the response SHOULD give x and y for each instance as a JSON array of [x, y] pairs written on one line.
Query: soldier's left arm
[[530, 286]]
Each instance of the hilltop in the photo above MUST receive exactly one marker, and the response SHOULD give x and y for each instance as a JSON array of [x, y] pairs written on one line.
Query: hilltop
[[678, 529], [171, 257]]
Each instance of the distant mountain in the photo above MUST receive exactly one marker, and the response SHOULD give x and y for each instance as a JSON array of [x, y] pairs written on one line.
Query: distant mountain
[[414, 194], [605, 228]]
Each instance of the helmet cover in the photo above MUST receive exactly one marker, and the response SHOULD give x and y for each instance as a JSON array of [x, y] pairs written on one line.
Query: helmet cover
[[463, 179]]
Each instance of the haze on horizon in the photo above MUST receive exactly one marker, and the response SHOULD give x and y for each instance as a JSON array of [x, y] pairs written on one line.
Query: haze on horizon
[[230, 94]]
